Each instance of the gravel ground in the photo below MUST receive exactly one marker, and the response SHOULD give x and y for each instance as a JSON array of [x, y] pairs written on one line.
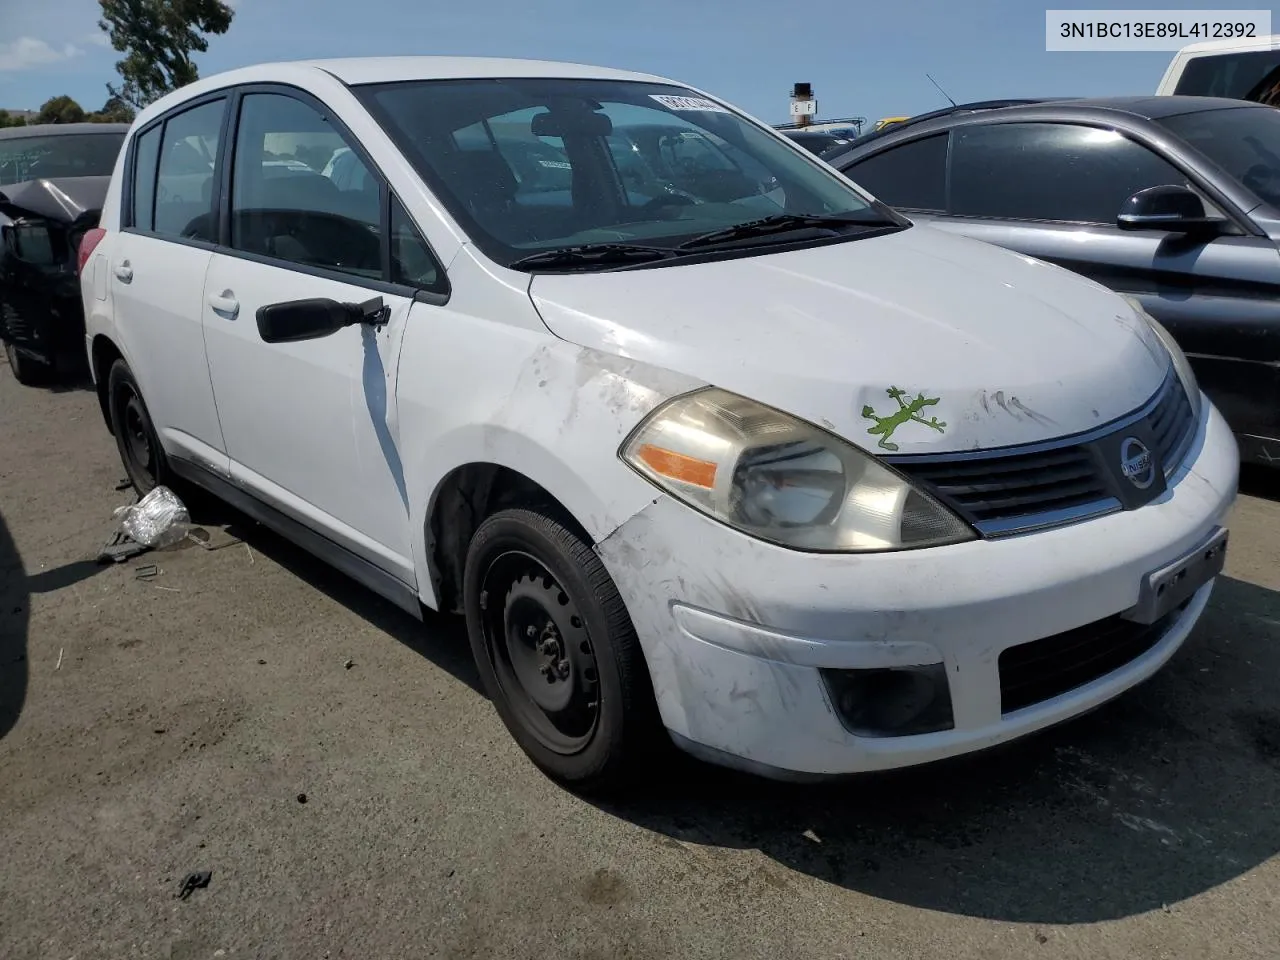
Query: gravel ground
[[150, 728]]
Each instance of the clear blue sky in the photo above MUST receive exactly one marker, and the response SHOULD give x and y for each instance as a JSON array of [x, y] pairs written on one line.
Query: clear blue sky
[[863, 58]]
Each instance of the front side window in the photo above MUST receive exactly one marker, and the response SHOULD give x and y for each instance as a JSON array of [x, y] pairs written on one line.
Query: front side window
[[1244, 142], [529, 165], [300, 193], [912, 176], [184, 182], [412, 262], [69, 155], [1050, 171]]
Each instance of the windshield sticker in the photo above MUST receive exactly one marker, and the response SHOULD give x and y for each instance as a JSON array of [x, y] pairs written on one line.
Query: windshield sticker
[[688, 103], [885, 426]]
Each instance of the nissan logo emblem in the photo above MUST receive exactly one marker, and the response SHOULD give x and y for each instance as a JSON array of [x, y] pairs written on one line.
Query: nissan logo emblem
[[1136, 463]]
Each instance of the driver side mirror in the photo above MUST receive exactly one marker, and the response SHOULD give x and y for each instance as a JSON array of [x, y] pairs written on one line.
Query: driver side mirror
[[312, 319], [1167, 207]]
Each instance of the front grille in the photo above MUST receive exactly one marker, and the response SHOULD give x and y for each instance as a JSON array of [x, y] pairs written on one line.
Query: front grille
[[1013, 490], [1033, 672], [996, 488]]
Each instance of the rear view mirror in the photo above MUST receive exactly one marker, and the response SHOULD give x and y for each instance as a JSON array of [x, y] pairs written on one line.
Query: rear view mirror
[[1168, 207], [571, 123], [312, 319]]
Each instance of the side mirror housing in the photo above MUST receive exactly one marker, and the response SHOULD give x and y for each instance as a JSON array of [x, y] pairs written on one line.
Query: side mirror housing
[[1167, 207], [312, 319]]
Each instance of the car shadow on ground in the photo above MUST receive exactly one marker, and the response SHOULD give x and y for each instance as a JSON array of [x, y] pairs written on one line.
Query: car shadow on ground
[[1260, 481], [15, 611], [1163, 794], [440, 638]]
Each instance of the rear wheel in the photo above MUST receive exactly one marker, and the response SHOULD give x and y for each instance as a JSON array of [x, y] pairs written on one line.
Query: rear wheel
[[556, 650], [140, 451], [27, 370]]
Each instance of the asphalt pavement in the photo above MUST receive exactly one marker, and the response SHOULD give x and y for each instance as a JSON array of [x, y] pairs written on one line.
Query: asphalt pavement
[[249, 712]]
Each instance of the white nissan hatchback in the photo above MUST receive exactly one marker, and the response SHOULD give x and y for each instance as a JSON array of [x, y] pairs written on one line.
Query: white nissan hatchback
[[698, 435]]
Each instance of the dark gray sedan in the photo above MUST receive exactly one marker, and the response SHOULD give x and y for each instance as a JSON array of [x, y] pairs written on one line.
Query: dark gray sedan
[[1172, 200]]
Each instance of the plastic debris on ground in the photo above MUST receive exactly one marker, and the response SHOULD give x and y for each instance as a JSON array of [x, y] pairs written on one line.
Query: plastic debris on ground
[[156, 521]]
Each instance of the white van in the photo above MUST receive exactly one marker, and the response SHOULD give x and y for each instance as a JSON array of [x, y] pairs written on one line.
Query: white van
[[722, 447], [1245, 69]]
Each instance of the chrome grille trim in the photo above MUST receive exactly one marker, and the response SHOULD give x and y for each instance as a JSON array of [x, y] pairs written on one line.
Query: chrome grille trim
[[1003, 491]]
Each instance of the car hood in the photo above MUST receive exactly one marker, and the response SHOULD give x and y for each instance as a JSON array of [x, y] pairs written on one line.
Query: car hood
[[62, 199], [997, 347]]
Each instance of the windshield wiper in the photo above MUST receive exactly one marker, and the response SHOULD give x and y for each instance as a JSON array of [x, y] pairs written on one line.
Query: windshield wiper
[[595, 254], [785, 223]]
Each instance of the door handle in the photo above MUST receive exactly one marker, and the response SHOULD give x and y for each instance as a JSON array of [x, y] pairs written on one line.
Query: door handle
[[124, 272], [226, 304]]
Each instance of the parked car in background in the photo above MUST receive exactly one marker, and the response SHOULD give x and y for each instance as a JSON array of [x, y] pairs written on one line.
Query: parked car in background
[[819, 142], [53, 179], [1244, 69], [887, 122], [721, 445], [1172, 201]]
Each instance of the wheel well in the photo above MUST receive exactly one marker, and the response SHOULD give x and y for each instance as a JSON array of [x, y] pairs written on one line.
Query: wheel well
[[104, 354], [464, 500]]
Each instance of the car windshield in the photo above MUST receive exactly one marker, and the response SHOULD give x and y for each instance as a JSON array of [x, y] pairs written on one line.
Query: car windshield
[[65, 155], [533, 165], [1245, 142]]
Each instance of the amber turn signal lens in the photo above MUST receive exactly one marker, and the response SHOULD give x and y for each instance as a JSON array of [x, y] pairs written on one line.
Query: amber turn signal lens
[[678, 466]]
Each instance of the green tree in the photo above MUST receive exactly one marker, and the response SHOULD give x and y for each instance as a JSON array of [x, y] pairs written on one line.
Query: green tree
[[158, 38], [60, 110], [9, 120], [114, 110]]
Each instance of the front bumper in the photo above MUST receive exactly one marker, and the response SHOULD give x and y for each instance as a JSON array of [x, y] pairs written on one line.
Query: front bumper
[[735, 630]]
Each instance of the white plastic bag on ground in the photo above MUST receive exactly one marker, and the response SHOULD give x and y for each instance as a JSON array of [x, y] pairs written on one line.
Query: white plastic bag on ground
[[158, 520]]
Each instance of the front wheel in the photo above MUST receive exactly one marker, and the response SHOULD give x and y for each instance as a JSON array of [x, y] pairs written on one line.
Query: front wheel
[[556, 650]]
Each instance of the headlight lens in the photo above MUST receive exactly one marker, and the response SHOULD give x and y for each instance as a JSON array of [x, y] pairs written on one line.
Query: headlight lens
[[1180, 363], [782, 480]]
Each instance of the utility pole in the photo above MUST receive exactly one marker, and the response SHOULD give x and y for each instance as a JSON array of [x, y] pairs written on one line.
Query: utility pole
[[803, 106]]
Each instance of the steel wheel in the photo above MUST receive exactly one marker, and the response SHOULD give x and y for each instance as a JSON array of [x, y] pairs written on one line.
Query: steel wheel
[[541, 652]]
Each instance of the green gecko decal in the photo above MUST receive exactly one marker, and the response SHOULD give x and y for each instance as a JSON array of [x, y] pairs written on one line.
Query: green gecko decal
[[906, 411]]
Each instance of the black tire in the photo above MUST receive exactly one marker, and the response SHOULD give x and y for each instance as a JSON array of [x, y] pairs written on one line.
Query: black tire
[[140, 451], [522, 567], [27, 370]]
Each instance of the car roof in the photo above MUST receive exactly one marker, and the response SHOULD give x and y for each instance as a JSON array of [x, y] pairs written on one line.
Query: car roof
[[1144, 107], [1239, 44], [357, 70], [60, 129]]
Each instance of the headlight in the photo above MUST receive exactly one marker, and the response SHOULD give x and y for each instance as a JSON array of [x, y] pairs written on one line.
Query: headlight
[[777, 478], [1180, 362]]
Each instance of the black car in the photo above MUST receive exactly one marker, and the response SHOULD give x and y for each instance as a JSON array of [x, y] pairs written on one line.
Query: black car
[[53, 180], [1174, 201]]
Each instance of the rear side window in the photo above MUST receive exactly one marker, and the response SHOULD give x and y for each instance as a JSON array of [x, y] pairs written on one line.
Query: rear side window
[[912, 176], [300, 193], [1050, 171], [184, 183], [1233, 75], [146, 151]]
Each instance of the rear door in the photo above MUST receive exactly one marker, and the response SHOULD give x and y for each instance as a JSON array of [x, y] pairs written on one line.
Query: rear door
[[310, 426], [157, 271]]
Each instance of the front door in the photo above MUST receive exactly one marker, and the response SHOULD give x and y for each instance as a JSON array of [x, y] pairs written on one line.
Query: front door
[[309, 425], [1019, 185]]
